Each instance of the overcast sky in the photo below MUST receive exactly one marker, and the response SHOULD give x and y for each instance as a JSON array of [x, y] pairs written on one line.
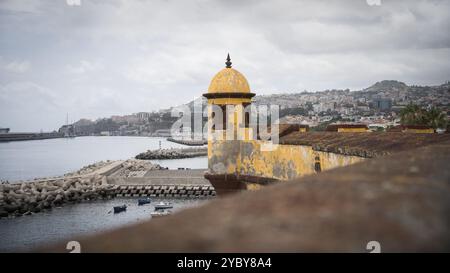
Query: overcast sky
[[108, 57]]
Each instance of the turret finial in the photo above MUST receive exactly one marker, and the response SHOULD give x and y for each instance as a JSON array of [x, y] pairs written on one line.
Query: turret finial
[[228, 62]]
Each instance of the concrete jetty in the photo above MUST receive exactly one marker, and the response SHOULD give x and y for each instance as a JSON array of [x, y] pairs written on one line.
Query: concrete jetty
[[164, 183]]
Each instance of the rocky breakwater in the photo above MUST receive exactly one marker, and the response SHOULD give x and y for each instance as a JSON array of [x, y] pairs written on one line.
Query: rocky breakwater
[[35, 196], [137, 168], [173, 153], [86, 170]]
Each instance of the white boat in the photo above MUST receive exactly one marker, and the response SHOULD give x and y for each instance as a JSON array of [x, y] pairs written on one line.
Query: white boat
[[160, 213], [163, 205]]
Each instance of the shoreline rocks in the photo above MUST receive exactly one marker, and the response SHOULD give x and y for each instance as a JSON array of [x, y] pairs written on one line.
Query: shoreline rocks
[[33, 197], [174, 153], [133, 167], [88, 183], [90, 168]]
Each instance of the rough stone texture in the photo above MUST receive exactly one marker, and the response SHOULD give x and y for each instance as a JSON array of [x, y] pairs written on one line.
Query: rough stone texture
[[400, 200], [32, 197], [362, 144], [135, 167], [173, 153], [27, 197]]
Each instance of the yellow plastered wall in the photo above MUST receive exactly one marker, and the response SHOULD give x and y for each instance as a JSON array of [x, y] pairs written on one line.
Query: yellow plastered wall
[[286, 162], [283, 162], [352, 130], [420, 131]]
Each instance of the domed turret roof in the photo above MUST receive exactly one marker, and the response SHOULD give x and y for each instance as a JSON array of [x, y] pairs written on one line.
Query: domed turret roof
[[229, 80]]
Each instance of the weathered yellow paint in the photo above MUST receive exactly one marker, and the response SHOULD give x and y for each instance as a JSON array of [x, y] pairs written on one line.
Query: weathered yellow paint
[[284, 162], [302, 129], [352, 130], [229, 80], [233, 101], [419, 131], [253, 186]]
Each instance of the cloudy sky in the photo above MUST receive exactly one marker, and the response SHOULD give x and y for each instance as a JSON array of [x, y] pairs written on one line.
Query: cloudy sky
[[108, 57]]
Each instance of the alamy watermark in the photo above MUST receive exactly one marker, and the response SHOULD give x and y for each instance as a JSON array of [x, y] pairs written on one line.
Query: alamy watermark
[[73, 2], [227, 122], [373, 2], [73, 246], [373, 247]]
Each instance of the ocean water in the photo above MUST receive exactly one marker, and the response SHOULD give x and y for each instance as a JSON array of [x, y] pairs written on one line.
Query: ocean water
[[21, 160], [67, 223]]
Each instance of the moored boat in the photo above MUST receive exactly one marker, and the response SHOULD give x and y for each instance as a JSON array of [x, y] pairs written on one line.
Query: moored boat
[[163, 205], [160, 213], [143, 201], [119, 209]]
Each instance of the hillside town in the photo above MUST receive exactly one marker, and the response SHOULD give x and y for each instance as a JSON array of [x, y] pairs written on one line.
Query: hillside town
[[378, 107]]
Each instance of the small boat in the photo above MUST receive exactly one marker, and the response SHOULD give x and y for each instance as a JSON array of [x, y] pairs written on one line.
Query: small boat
[[143, 201], [160, 213], [119, 209], [163, 205]]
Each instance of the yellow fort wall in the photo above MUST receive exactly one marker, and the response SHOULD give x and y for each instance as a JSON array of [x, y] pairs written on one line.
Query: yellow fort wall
[[352, 130], [283, 162], [420, 131]]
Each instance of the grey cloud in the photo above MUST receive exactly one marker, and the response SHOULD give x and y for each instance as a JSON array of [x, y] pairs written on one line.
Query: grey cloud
[[121, 56]]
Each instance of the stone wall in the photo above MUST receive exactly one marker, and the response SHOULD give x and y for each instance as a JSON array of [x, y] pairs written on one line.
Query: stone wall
[[282, 162]]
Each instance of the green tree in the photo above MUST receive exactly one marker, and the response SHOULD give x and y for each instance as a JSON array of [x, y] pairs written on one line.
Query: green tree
[[436, 118], [413, 114]]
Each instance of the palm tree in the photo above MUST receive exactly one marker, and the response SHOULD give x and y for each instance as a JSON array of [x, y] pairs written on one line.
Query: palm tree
[[412, 114], [436, 118]]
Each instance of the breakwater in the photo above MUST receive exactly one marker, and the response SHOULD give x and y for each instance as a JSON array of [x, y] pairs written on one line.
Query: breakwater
[[28, 198], [28, 136], [102, 180], [188, 142], [32, 197], [173, 153]]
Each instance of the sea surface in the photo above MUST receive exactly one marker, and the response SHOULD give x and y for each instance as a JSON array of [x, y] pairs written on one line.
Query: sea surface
[[67, 223], [23, 160]]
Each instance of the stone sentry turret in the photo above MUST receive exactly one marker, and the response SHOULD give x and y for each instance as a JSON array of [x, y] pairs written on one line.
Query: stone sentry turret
[[228, 121]]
